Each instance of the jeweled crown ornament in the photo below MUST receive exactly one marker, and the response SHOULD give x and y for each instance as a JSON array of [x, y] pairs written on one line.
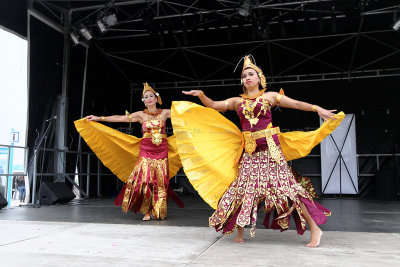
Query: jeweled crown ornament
[[147, 87], [248, 63]]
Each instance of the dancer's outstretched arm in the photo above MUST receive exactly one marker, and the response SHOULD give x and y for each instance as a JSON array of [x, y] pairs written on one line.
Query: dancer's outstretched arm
[[288, 102], [134, 117], [228, 104], [166, 114]]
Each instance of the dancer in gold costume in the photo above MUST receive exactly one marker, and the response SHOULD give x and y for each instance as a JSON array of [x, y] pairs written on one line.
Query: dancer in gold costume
[[144, 164], [237, 171]]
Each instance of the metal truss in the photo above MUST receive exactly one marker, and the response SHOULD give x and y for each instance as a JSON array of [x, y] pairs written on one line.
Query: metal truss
[[170, 10], [351, 72], [301, 78]]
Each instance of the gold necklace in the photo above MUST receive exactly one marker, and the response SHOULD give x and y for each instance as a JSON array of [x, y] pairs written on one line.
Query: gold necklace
[[248, 109], [260, 93], [148, 112]]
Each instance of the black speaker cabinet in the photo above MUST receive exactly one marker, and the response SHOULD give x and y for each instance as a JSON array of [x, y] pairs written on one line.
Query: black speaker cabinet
[[3, 201], [53, 193]]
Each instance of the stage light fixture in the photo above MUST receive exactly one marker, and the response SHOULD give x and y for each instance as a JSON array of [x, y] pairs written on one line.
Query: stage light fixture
[[396, 26], [245, 9], [102, 27], [110, 20], [85, 32], [74, 38]]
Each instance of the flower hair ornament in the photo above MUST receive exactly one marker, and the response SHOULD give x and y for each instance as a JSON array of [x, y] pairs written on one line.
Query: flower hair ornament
[[147, 87]]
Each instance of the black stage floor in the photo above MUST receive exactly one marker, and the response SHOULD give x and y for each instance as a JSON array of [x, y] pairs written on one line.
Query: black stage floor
[[353, 215]]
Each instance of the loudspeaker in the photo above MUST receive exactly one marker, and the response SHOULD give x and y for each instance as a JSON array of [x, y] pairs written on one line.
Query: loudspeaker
[[53, 193], [3, 201]]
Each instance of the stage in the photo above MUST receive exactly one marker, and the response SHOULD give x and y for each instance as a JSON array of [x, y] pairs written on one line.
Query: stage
[[95, 232]]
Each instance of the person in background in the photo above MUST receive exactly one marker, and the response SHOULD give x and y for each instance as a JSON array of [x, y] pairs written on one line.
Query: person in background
[[21, 189]]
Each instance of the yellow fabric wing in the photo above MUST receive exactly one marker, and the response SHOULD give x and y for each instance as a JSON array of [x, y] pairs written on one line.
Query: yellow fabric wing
[[208, 144], [299, 144], [174, 161], [118, 151]]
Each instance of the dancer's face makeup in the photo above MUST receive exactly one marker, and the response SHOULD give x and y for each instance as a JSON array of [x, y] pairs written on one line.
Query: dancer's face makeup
[[250, 78], [149, 98]]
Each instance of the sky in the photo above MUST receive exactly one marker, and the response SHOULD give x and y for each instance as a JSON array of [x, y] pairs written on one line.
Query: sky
[[13, 89]]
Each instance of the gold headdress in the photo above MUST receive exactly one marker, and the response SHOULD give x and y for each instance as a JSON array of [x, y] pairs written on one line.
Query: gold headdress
[[248, 63], [147, 87]]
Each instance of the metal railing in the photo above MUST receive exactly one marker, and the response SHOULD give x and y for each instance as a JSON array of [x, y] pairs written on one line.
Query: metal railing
[[89, 161], [7, 174], [39, 175], [67, 175], [378, 160]]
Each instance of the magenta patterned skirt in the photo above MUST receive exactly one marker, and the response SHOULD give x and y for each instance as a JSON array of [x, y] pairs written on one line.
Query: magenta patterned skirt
[[261, 180]]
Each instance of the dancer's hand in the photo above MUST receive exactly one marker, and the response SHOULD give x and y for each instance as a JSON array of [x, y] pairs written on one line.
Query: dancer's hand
[[92, 118], [326, 114], [193, 92]]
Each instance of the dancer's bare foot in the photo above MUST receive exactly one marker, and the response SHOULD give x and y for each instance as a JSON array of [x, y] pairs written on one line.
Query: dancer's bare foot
[[316, 232], [315, 238], [239, 237], [147, 217]]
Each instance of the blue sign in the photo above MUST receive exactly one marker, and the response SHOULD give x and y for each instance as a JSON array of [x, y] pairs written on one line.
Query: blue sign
[[14, 137]]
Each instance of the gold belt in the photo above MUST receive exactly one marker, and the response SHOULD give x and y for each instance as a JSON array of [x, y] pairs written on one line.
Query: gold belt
[[156, 138], [250, 145], [263, 133]]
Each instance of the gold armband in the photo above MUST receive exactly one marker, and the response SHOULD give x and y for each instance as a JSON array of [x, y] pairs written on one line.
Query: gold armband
[[278, 99], [314, 108], [102, 118], [226, 103], [201, 93], [129, 117]]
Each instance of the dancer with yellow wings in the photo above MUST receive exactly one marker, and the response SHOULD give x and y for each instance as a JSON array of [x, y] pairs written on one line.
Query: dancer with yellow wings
[[237, 171], [144, 164]]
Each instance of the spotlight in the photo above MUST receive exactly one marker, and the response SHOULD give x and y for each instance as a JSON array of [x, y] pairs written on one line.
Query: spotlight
[[396, 26], [245, 8], [85, 32], [74, 38], [110, 20], [105, 20], [102, 27]]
